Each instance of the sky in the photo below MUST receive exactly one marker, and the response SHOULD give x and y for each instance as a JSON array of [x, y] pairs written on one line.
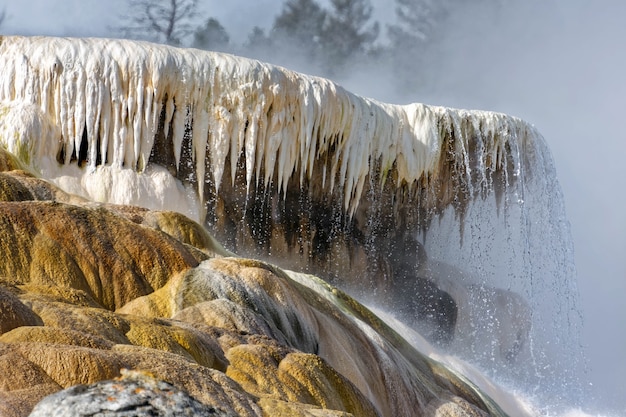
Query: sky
[[559, 64]]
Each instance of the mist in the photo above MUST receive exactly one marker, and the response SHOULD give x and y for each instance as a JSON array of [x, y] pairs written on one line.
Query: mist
[[558, 64]]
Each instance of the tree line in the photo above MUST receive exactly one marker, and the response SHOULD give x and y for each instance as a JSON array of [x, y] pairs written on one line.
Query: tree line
[[328, 41]]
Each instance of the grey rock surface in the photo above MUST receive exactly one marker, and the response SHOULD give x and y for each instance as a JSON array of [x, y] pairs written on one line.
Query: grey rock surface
[[135, 394]]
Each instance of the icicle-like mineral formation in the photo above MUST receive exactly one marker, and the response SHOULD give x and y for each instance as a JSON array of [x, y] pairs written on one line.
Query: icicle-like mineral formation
[[111, 99]]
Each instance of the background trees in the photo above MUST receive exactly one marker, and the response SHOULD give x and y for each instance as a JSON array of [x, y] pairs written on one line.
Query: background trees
[[310, 38], [419, 24], [338, 39], [420, 34], [258, 45], [348, 33], [211, 36], [296, 34], [301, 22]]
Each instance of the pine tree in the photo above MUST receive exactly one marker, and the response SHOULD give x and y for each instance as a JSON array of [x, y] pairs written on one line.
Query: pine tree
[[348, 33], [419, 27], [326, 39], [298, 27], [211, 36], [417, 36]]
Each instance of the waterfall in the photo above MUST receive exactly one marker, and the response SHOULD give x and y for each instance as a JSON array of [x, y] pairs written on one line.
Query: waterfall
[[451, 219], [515, 259]]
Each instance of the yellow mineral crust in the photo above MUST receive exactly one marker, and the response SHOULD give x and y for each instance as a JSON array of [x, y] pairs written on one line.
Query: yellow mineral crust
[[251, 297], [111, 259], [87, 290]]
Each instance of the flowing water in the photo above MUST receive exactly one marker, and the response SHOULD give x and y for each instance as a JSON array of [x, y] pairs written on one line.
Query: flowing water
[[520, 246]]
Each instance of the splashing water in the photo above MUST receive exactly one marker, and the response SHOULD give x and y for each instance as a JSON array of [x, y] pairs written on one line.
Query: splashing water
[[518, 285]]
